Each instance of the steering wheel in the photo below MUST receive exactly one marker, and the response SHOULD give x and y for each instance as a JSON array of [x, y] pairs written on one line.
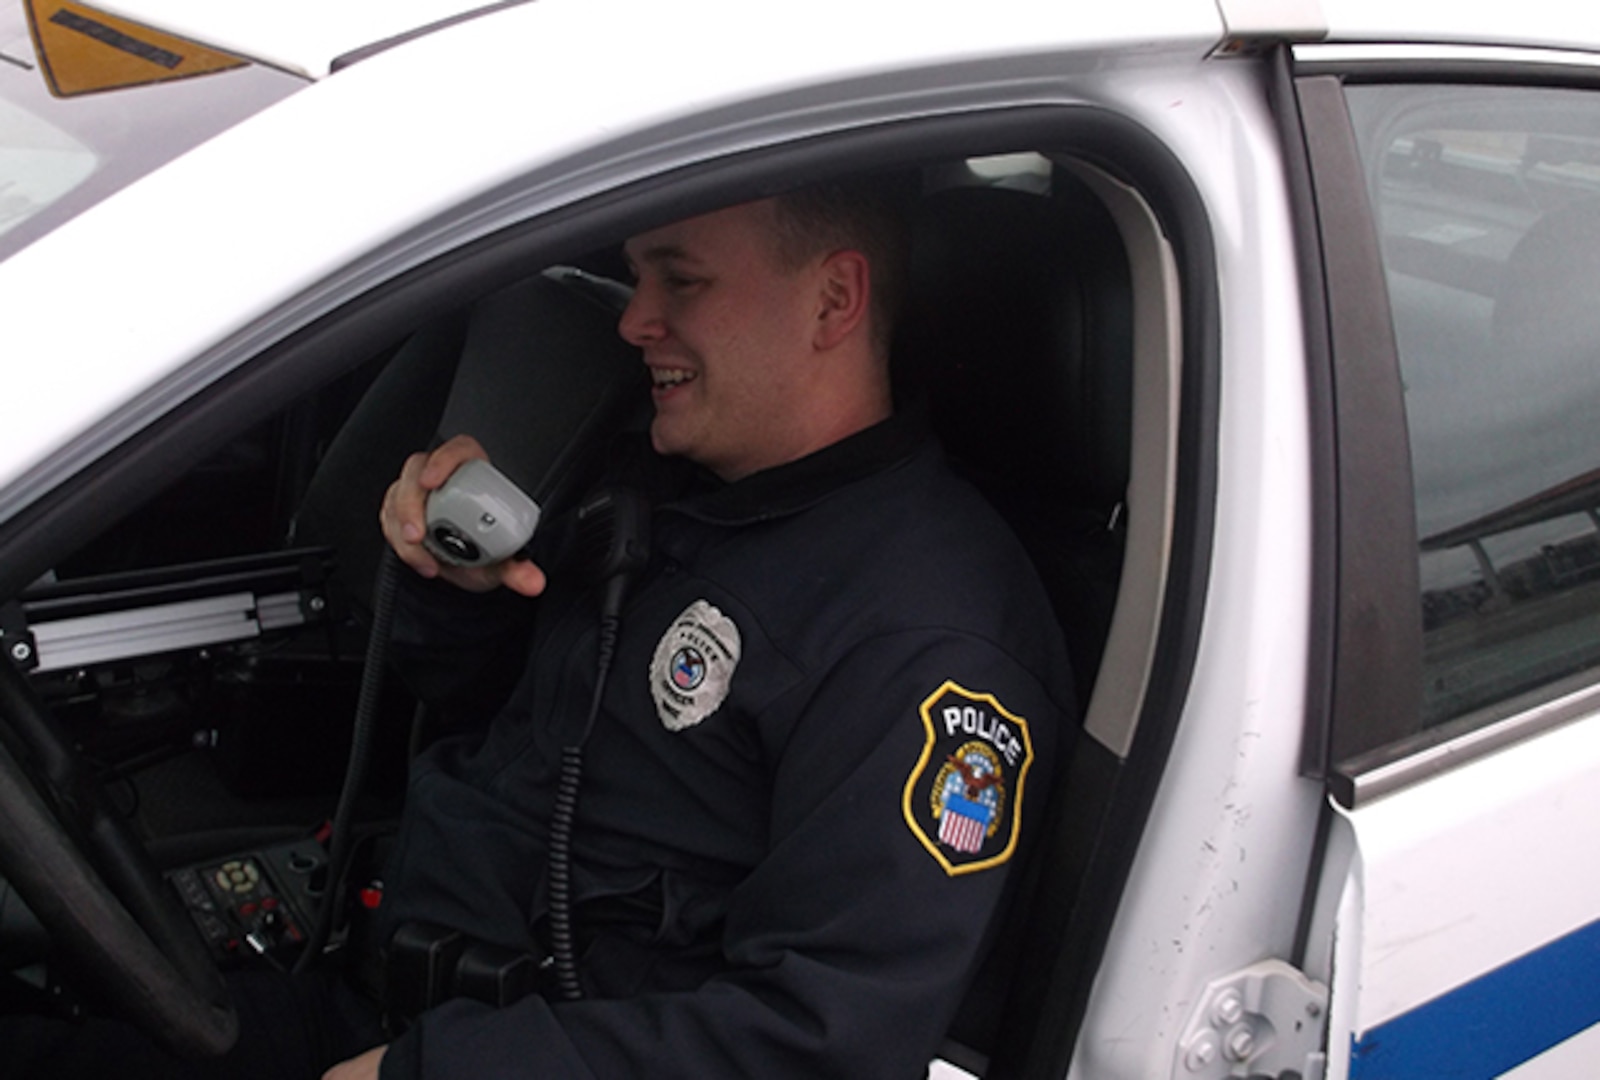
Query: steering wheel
[[88, 879]]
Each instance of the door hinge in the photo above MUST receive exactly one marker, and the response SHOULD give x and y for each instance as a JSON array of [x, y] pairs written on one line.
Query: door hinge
[[1267, 1020]]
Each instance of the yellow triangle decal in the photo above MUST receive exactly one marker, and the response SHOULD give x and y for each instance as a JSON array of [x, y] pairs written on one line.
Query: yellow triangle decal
[[84, 51]]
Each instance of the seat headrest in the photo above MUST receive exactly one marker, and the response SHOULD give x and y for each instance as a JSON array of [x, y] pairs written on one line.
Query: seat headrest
[[542, 372], [1017, 330], [1546, 302]]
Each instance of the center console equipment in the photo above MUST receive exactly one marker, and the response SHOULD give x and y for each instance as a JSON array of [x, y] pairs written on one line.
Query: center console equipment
[[255, 904]]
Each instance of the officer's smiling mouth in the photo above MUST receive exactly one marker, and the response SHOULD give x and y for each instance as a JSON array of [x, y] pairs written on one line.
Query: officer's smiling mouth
[[667, 378]]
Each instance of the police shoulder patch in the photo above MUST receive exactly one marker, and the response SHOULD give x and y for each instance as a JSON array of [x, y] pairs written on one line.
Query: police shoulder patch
[[963, 800]]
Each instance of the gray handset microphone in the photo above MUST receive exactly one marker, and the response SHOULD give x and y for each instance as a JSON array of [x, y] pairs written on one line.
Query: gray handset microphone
[[478, 517]]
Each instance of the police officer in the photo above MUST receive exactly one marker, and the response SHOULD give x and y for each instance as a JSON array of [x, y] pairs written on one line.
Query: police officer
[[836, 697]]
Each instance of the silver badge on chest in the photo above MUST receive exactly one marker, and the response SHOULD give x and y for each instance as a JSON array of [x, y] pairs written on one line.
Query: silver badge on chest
[[693, 666]]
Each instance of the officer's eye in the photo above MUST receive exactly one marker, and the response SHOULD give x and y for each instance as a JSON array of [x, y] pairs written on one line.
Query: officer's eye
[[681, 282]]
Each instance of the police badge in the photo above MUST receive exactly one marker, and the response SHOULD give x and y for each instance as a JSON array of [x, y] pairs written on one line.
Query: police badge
[[693, 665], [964, 798]]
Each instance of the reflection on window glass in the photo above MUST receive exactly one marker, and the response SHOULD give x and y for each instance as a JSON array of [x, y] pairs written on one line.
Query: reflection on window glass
[[38, 165], [82, 116], [1488, 204]]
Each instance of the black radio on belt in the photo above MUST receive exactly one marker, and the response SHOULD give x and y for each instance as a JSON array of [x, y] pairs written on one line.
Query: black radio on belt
[[428, 964]]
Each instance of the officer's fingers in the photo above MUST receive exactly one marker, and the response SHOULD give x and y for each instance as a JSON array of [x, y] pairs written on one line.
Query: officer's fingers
[[404, 512], [522, 576], [365, 1067], [414, 556], [447, 458], [478, 579], [401, 521]]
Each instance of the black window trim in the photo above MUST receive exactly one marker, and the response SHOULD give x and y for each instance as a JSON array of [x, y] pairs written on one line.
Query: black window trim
[[1376, 686], [1467, 738], [1324, 584], [1357, 65]]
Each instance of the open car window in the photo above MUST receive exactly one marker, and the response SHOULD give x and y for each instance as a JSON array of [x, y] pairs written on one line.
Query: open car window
[[1038, 286]]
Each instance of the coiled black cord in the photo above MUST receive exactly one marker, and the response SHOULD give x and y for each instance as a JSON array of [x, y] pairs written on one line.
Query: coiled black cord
[[563, 943], [340, 846], [563, 948]]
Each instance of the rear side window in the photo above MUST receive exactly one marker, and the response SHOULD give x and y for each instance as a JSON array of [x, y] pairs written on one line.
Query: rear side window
[[1487, 202]]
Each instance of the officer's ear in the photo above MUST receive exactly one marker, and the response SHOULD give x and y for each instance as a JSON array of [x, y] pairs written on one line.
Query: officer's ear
[[844, 291]]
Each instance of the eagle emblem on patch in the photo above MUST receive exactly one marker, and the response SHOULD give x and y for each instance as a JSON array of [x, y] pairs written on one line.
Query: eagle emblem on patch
[[963, 800], [693, 665]]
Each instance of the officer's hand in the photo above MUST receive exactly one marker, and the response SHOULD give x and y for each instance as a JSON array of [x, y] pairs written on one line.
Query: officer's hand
[[404, 520], [364, 1067]]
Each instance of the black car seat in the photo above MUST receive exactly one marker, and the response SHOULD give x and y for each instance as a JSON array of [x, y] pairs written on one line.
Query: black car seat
[[1018, 333]]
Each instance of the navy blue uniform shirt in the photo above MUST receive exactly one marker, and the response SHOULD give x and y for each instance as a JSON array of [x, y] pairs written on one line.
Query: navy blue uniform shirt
[[829, 731]]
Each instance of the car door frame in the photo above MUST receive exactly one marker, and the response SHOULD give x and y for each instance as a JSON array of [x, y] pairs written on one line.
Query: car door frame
[[1118, 787]]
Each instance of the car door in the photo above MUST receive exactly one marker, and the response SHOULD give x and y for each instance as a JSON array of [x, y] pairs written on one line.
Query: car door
[[1457, 209]]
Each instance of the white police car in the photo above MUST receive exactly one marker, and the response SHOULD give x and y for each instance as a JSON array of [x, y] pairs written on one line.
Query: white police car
[[1275, 327]]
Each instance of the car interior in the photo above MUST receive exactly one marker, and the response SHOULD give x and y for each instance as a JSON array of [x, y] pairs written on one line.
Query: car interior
[[202, 658]]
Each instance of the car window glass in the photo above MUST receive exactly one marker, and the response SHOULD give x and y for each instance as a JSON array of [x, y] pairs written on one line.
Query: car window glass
[[41, 164], [1488, 205], [90, 102]]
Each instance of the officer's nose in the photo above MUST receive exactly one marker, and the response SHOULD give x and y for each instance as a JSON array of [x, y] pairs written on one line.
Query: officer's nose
[[641, 323]]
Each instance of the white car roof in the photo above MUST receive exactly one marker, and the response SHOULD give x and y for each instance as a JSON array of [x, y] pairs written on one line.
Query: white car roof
[[303, 36], [309, 36], [443, 120], [274, 210]]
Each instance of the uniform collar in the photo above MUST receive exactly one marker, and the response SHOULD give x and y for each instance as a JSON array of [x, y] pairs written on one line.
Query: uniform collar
[[797, 485]]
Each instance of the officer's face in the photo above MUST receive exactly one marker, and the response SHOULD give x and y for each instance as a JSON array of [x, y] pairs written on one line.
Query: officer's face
[[725, 331]]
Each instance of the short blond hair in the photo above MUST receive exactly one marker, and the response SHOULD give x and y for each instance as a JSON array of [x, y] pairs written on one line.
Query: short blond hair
[[866, 214]]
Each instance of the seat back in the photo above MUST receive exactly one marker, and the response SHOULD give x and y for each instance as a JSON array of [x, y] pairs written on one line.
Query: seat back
[[1018, 332], [1544, 305]]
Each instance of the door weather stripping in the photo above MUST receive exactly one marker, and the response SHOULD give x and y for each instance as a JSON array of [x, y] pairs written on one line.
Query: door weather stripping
[[1266, 1020]]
